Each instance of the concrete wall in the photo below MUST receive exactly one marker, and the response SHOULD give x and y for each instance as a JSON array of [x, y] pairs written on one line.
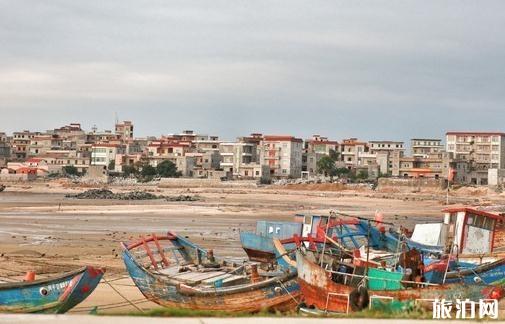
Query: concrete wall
[[411, 183], [17, 177]]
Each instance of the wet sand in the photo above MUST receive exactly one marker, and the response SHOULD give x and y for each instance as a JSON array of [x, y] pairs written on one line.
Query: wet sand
[[42, 230]]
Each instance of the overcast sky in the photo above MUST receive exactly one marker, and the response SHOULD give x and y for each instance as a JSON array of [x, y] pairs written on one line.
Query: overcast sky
[[369, 69]]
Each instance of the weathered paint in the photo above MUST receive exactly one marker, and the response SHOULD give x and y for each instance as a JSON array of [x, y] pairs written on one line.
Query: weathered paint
[[316, 284], [258, 248], [54, 295], [492, 273], [278, 293]]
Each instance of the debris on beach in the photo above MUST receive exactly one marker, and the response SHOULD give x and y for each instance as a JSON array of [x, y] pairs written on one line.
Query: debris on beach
[[107, 194], [131, 195]]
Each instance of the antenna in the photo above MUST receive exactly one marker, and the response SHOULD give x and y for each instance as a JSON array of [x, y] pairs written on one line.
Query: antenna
[[117, 119]]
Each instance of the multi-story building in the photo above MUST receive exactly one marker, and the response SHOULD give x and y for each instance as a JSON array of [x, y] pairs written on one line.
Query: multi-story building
[[384, 153], [314, 149], [206, 143], [103, 154], [283, 155], [354, 153], [241, 158], [41, 144], [433, 165], [124, 130], [20, 143], [481, 150], [422, 147]]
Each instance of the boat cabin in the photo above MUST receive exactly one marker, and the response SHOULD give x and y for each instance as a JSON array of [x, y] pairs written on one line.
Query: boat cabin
[[472, 231]]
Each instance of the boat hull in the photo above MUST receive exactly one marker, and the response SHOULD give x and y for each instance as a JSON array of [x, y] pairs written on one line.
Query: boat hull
[[258, 248], [280, 295], [321, 292], [56, 295], [491, 274]]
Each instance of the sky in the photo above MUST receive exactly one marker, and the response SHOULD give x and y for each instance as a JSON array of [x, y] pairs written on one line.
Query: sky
[[376, 70]]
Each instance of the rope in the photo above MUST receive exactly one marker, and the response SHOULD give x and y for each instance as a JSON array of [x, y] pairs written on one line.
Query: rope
[[122, 296], [289, 293]]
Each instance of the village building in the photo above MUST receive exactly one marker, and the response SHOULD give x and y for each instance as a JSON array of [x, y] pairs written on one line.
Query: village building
[[282, 155], [20, 144], [314, 149], [124, 130], [481, 150], [422, 147], [105, 154], [241, 158], [385, 153], [355, 153]]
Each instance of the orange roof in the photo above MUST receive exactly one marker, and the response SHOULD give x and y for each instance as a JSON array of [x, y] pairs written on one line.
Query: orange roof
[[34, 160], [282, 138]]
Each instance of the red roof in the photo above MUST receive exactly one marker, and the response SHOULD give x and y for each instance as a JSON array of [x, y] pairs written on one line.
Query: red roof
[[473, 211], [34, 160]]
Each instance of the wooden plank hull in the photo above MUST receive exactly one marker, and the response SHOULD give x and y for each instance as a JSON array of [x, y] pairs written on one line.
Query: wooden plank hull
[[281, 294], [318, 290], [491, 273], [54, 295]]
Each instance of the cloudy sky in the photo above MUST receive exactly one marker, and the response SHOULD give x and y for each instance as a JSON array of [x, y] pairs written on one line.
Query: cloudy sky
[[370, 69]]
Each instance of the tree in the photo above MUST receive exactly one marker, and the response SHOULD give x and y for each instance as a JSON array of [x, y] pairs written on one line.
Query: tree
[[342, 171], [112, 165], [70, 170], [362, 174], [148, 171], [334, 155], [326, 166], [129, 170], [167, 169]]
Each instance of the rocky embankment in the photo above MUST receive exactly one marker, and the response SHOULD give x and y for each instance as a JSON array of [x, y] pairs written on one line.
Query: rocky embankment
[[131, 195]]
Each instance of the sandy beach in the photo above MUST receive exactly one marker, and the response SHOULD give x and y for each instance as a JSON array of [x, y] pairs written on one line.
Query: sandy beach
[[42, 230]]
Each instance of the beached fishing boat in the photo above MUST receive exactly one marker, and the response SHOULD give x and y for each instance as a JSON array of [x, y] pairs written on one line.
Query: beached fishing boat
[[174, 272], [490, 273], [351, 234], [54, 295], [330, 285]]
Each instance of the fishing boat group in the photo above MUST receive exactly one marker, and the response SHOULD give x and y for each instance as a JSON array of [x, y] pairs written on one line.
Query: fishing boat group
[[335, 263], [320, 264]]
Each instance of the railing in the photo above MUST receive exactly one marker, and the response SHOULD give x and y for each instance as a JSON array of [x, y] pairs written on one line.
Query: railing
[[339, 295], [377, 297], [384, 279]]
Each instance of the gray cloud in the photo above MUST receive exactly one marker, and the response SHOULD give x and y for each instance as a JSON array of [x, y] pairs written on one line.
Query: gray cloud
[[373, 69]]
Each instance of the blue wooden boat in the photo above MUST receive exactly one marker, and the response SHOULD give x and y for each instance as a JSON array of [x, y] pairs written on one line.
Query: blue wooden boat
[[491, 273], [54, 295], [174, 272], [259, 246], [351, 234]]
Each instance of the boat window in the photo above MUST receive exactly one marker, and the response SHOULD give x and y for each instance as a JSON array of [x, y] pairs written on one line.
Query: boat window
[[270, 229], [277, 230]]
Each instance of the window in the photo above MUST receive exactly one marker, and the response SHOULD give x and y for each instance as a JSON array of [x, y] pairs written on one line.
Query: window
[[270, 229]]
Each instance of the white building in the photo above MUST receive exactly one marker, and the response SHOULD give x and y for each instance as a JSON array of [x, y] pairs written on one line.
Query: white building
[[423, 147], [103, 154], [482, 151]]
